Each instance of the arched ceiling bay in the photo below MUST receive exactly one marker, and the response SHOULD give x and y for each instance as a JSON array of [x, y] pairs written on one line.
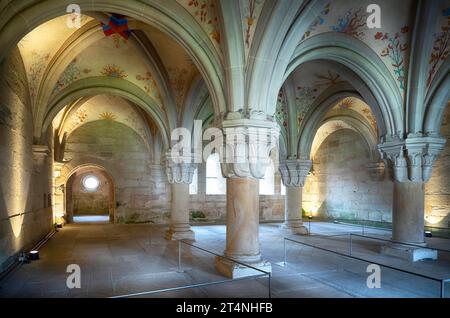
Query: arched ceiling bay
[[102, 107], [164, 70]]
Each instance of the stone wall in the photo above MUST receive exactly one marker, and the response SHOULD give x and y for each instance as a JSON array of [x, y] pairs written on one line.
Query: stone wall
[[141, 193], [437, 189], [25, 171], [341, 185], [87, 202]]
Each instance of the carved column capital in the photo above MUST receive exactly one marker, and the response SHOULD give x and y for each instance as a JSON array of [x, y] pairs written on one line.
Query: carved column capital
[[411, 159], [180, 169], [248, 140], [294, 172]]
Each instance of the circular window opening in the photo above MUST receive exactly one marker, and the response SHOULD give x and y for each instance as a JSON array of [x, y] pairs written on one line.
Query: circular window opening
[[91, 183]]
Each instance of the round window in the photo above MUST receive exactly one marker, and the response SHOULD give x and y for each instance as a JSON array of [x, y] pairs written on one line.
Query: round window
[[91, 183]]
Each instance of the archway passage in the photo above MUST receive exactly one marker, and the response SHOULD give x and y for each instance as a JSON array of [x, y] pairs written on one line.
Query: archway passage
[[90, 196]]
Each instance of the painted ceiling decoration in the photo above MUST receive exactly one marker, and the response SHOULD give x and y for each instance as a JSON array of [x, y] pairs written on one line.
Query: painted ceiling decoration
[[357, 105], [441, 45], [117, 24], [105, 58], [37, 54], [250, 12], [391, 42], [205, 12], [102, 107], [281, 111], [310, 81]]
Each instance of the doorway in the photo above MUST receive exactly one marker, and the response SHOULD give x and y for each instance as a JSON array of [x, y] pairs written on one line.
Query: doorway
[[90, 196]]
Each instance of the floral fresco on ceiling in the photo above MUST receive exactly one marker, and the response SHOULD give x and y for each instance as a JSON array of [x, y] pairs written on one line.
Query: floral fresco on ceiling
[[37, 54], [103, 58], [250, 11], [205, 12], [281, 114], [441, 44], [357, 105], [310, 81], [104, 107], [391, 42]]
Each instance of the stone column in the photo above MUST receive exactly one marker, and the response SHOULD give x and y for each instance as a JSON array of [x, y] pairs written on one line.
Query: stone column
[[180, 176], [249, 138], [294, 173], [410, 162]]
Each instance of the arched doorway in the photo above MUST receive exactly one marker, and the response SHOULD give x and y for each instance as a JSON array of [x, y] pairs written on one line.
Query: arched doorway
[[90, 195]]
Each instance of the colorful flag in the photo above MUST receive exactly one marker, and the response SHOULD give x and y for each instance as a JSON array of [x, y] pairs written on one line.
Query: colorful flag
[[117, 24]]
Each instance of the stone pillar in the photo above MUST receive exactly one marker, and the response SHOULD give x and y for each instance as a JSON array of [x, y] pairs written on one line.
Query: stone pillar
[[408, 219], [294, 173], [180, 176], [249, 138], [410, 162]]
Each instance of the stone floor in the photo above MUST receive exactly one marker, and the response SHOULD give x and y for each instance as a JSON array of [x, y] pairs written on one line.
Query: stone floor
[[123, 259]]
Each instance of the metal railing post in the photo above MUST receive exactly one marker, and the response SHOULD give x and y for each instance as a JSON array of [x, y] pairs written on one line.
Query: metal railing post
[[351, 244], [442, 288], [179, 256], [284, 248], [270, 285]]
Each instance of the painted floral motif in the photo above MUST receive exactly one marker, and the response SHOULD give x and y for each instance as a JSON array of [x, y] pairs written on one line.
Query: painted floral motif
[[395, 49], [304, 99], [319, 20], [133, 120], [107, 116], [441, 47], [70, 75], [281, 111], [150, 85], [178, 80], [346, 103], [250, 20], [40, 61], [352, 23], [113, 71], [205, 12], [326, 80], [370, 118], [118, 41], [77, 119]]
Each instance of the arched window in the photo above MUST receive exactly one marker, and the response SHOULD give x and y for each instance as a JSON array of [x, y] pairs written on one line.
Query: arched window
[[215, 182], [267, 184], [193, 186]]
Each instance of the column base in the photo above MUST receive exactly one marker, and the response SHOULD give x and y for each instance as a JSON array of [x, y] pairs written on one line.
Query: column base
[[295, 228], [409, 253], [233, 270], [175, 235]]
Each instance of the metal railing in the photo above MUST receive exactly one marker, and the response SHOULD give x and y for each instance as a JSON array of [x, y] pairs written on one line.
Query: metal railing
[[441, 281], [204, 284]]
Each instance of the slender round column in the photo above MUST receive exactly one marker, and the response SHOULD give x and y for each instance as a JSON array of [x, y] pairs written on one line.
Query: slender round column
[[293, 211], [294, 173], [179, 216], [179, 173]]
